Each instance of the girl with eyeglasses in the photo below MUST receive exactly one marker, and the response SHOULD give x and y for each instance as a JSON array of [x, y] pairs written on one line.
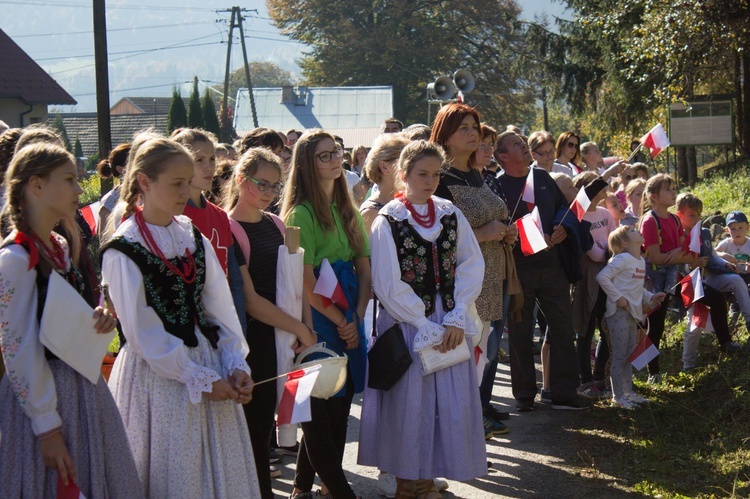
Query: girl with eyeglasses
[[317, 201], [255, 183], [567, 151], [542, 147]]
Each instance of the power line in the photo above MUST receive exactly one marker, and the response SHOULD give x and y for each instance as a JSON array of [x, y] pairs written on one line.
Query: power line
[[111, 8], [138, 88], [114, 29]]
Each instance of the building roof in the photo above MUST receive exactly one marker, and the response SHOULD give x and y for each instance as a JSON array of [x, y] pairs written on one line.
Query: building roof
[[22, 78], [151, 105], [353, 113], [83, 126]]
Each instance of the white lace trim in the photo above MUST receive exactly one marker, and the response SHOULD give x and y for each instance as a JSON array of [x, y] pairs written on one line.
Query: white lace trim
[[397, 210], [428, 334], [172, 239], [461, 318], [233, 362], [200, 380]]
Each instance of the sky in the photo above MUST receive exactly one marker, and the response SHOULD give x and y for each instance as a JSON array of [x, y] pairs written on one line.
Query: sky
[[153, 48]]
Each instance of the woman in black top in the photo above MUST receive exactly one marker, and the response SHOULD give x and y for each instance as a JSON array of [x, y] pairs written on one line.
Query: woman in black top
[[380, 167]]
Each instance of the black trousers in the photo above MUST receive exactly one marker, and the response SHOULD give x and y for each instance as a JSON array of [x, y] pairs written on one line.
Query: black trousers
[[260, 412], [322, 448]]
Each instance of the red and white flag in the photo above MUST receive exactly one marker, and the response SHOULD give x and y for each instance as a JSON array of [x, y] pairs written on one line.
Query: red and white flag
[[70, 491], [692, 242], [91, 215], [644, 352], [656, 140], [580, 204], [294, 406], [700, 317], [530, 233], [328, 287], [528, 190], [691, 288]]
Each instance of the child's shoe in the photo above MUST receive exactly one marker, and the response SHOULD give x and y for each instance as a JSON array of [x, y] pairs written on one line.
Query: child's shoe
[[622, 403], [635, 398]]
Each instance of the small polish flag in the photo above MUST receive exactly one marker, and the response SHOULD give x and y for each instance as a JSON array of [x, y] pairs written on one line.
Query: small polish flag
[[528, 190], [70, 491], [691, 287], [530, 233], [692, 242], [700, 318], [644, 352], [328, 287], [91, 215], [460, 97], [656, 140], [582, 202], [294, 405]]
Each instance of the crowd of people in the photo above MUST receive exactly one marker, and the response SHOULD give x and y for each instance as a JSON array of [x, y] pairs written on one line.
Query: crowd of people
[[422, 221]]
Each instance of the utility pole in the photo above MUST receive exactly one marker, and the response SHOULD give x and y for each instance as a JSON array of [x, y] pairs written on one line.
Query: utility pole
[[102, 83], [236, 21]]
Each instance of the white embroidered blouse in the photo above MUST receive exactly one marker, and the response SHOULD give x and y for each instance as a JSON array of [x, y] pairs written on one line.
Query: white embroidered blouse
[[143, 329], [398, 298]]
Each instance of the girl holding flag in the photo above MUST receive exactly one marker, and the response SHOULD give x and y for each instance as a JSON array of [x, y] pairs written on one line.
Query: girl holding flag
[[332, 233]]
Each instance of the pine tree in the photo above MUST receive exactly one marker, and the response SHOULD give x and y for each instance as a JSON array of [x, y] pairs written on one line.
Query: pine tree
[[177, 117], [210, 118], [78, 149], [195, 113], [59, 126]]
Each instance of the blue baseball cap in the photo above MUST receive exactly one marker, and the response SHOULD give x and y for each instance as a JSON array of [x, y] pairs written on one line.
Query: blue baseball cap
[[736, 216]]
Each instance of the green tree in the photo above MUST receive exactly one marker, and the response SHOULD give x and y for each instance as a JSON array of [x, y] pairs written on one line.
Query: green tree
[[177, 117], [407, 43], [262, 73], [195, 112], [59, 127], [78, 149], [210, 118]]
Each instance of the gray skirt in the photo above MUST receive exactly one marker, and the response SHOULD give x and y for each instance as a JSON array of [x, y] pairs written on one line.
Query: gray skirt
[[93, 433]]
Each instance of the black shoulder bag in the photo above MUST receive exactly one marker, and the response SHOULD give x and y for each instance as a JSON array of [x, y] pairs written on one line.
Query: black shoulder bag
[[389, 357]]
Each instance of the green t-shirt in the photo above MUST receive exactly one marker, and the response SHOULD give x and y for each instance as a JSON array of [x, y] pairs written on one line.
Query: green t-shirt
[[320, 243]]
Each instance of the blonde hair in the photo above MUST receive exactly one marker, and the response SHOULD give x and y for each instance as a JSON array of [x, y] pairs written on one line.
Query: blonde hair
[[245, 168], [415, 151], [355, 150], [37, 159], [538, 139], [386, 147], [632, 186], [39, 134], [304, 185], [189, 136], [619, 239], [654, 186], [583, 179], [690, 201]]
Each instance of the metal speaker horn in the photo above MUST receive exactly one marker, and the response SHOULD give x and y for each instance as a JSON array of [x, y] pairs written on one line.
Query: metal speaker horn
[[464, 80], [442, 89]]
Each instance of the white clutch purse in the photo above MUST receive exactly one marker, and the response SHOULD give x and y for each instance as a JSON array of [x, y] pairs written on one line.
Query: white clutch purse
[[432, 360]]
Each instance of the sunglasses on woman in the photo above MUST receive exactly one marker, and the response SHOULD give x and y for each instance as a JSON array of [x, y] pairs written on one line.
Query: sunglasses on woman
[[572, 145], [327, 156], [263, 186]]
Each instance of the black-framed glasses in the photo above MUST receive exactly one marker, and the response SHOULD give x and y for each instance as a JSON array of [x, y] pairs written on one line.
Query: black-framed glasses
[[327, 156], [263, 186]]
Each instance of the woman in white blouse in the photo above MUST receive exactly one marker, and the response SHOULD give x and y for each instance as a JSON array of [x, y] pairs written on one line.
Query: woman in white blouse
[[425, 262], [181, 375]]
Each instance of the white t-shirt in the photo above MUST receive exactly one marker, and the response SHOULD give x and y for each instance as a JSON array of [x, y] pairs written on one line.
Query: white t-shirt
[[624, 277], [741, 253], [602, 224]]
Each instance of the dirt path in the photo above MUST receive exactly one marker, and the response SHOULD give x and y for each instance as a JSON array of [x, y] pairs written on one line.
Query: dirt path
[[542, 456]]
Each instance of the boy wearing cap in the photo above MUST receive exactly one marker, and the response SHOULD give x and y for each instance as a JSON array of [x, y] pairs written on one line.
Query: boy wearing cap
[[736, 249]]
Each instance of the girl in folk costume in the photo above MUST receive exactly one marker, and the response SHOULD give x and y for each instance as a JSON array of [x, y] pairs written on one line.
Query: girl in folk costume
[[181, 374], [255, 184], [53, 420], [426, 260], [317, 201]]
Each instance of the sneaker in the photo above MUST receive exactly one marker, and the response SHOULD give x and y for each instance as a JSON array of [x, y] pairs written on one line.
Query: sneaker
[[386, 485], [591, 392], [440, 484], [546, 396], [654, 379], [524, 405], [635, 398], [493, 413], [569, 405], [623, 403], [730, 348], [319, 493], [275, 472], [492, 428], [274, 457], [288, 451]]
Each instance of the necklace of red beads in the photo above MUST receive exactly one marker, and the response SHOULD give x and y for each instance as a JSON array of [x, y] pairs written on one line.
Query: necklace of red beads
[[188, 271], [56, 254], [427, 220]]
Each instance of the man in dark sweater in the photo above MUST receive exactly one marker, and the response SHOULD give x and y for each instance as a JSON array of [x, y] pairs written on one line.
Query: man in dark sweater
[[543, 280]]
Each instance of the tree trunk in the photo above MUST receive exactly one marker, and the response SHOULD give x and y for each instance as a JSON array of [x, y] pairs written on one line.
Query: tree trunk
[[692, 165], [682, 174], [739, 117], [745, 102], [545, 111]]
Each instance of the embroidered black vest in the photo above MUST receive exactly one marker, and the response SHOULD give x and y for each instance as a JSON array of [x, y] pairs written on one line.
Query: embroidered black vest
[[428, 267], [177, 303]]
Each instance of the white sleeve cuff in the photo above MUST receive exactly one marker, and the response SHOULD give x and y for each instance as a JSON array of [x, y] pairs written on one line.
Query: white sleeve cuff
[[461, 318], [198, 380], [428, 334], [46, 423], [231, 362]]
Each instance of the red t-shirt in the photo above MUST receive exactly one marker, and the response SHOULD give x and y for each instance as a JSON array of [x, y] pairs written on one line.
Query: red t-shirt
[[671, 232], [213, 223]]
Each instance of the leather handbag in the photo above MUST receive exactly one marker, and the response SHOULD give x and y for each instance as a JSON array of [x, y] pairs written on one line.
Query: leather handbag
[[389, 357]]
